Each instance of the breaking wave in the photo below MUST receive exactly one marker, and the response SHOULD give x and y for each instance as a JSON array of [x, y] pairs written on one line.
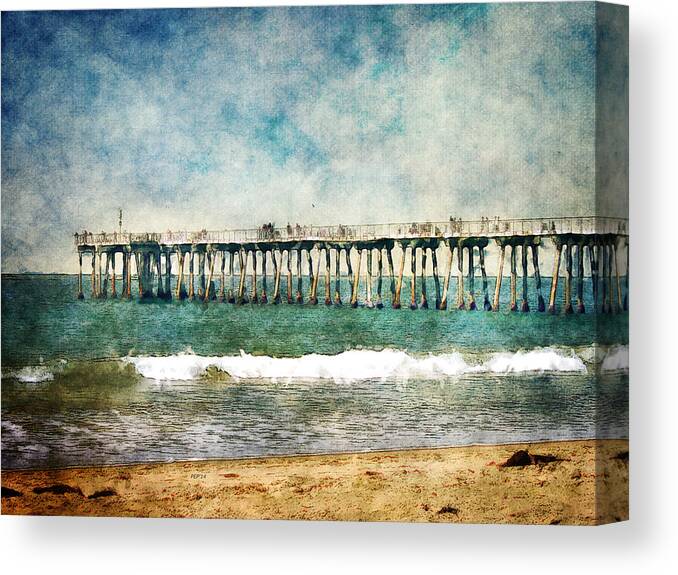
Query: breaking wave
[[616, 359], [357, 364], [350, 365], [34, 374]]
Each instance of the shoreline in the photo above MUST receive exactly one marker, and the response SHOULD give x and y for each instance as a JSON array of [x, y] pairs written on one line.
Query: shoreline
[[292, 456], [586, 485]]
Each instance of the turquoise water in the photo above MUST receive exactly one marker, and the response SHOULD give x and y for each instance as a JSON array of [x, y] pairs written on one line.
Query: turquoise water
[[42, 320], [61, 408]]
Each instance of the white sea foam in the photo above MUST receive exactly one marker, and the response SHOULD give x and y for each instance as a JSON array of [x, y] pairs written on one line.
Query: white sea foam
[[536, 360], [12, 430], [355, 364], [34, 374], [616, 359]]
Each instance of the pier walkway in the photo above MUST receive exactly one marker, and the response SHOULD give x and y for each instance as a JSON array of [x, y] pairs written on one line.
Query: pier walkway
[[597, 240]]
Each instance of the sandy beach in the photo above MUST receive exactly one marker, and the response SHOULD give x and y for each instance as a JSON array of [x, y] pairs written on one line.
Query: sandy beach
[[460, 485]]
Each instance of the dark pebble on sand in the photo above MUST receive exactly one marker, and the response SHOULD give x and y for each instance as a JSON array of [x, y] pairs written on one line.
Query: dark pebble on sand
[[622, 456], [102, 493], [9, 492], [522, 458], [57, 489]]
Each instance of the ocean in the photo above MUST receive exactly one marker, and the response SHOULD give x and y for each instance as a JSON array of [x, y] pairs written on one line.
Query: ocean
[[102, 382]]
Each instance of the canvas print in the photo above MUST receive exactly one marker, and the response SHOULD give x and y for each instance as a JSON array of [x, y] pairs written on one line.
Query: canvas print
[[365, 263]]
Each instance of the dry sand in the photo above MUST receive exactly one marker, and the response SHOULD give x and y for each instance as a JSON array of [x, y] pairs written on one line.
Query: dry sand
[[461, 485]]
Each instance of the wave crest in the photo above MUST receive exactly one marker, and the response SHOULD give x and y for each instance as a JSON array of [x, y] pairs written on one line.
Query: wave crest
[[354, 364], [34, 374], [616, 359]]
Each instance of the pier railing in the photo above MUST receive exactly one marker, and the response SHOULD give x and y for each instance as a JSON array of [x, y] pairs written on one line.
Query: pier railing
[[487, 227]]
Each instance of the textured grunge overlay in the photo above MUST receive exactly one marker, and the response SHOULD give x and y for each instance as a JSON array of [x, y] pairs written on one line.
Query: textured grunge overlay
[[218, 118]]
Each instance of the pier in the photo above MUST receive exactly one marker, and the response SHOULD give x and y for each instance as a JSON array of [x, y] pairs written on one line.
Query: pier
[[214, 265]]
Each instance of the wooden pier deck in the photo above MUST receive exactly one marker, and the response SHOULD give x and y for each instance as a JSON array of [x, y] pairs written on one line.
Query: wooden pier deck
[[212, 256]]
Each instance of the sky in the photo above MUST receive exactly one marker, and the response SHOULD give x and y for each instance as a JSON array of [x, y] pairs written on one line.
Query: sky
[[229, 118]]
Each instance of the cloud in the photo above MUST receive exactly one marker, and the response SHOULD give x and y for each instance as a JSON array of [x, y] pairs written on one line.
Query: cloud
[[226, 118]]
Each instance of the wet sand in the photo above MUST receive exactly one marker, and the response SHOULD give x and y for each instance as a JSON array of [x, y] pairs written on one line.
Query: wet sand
[[588, 485]]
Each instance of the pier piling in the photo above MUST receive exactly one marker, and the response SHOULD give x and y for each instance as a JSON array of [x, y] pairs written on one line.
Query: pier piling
[[114, 293], [80, 294], [399, 282], [128, 275], [328, 278], [94, 276], [356, 281], [541, 307], [222, 279], [255, 293], [191, 288], [607, 306], [181, 291], [567, 296], [580, 278], [593, 260], [626, 278], [413, 277], [554, 277], [158, 265], [124, 274], [299, 298], [264, 287], [242, 265], [368, 281], [500, 275], [316, 277], [380, 271], [436, 277], [168, 274], [137, 262], [349, 268], [201, 275], [100, 289], [446, 281], [337, 277], [289, 276], [107, 268], [610, 283], [471, 280], [149, 261], [211, 256], [423, 303], [487, 306], [617, 279], [513, 306], [391, 271], [460, 277], [311, 279], [524, 304], [277, 269], [230, 298]]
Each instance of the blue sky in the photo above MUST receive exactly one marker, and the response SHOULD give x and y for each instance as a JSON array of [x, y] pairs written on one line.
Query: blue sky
[[227, 118]]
